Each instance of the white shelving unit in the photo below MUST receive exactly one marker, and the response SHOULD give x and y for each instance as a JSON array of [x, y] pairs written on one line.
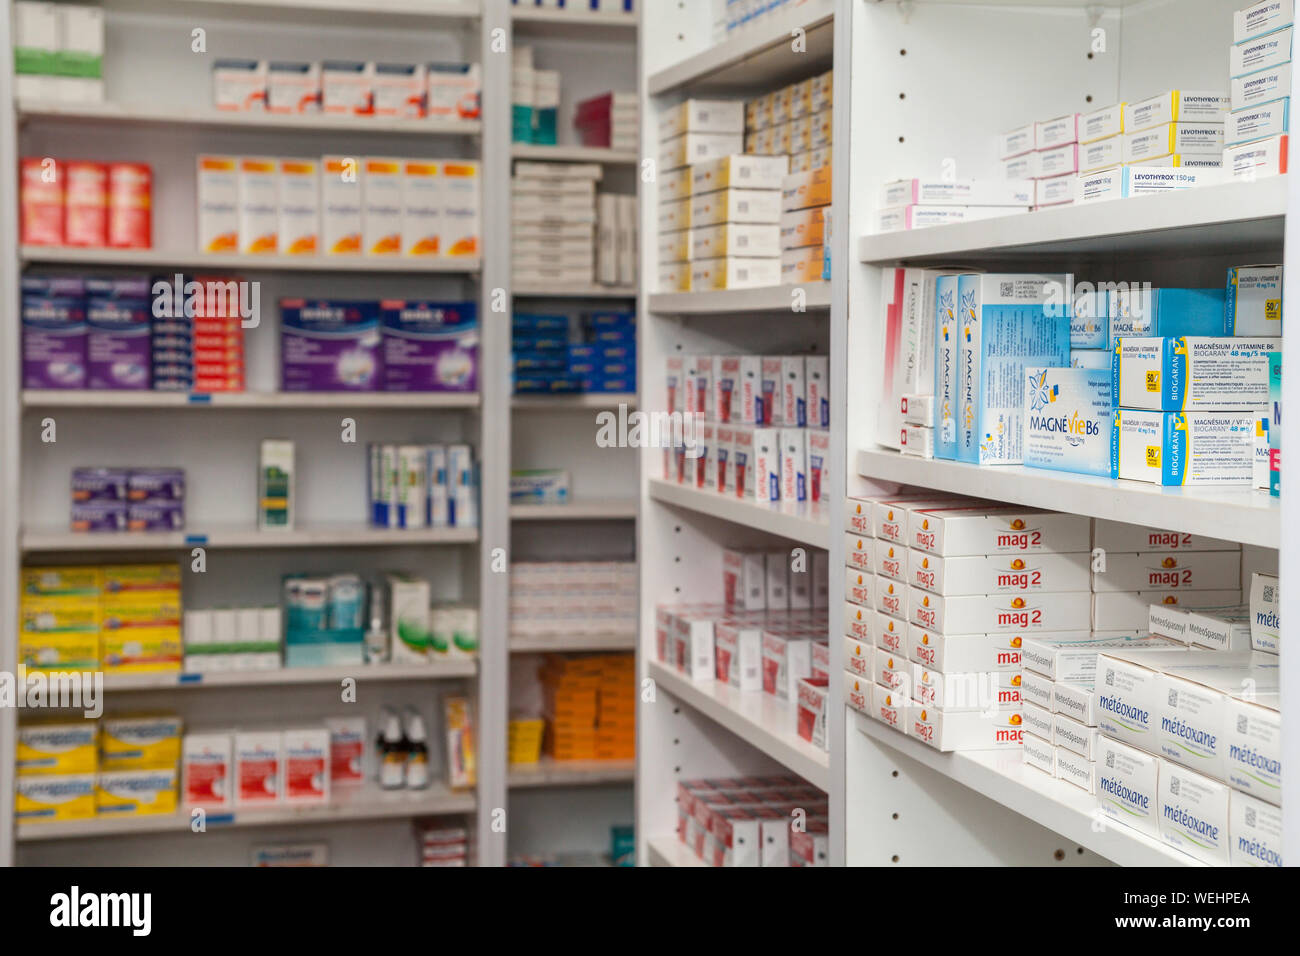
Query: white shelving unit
[[564, 806], [702, 729], [907, 803], [167, 125]]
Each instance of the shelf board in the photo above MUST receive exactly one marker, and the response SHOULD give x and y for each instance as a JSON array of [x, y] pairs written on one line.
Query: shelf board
[[805, 523], [570, 641], [367, 803], [1003, 777], [575, 154], [759, 719], [1216, 220], [286, 676], [670, 851], [209, 118], [1240, 514], [756, 57], [145, 398], [242, 537], [579, 402], [570, 773], [574, 24], [547, 291], [336, 13], [191, 259], [778, 298], [591, 509]]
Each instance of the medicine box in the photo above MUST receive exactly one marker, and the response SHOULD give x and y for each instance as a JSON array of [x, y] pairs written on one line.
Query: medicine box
[[689, 149], [1193, 373], [218, 202], [965, 653], [56, 747], [1016, 142], [1173, 138], [1262, 86], [957, 192], [134, 743], [703, 115], [1038, 753], [1101, 123], [1166, 571], [1000, 613], [1049, 134], [341, 205], [736, 205], [1257, 122], [970, 690], [258, 757], [1128, 786], [1068, 420], [1194, 814], [984, 530], [207, 770], [1008, 323], [1076, 770], [135, 792], [1254, 832], [1252, 745], [1265, 613], [809, 188], [734, 272], [1139, 310], [999, 574], [1253, 160], [739, 172], [52, 797], [1184, 448], [1072, 658], [1175, 106], [293, 87], [1219, 629], [1261, 17], [1253, 301], [1261, 53], [966, 729]]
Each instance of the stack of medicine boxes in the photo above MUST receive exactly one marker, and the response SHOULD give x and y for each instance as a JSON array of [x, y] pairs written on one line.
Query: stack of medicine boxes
[[1190, 391], [1046, 152], [1255, 134], [553, 223], [735, 239], [1189, 751], [534, 99], [794, 120]]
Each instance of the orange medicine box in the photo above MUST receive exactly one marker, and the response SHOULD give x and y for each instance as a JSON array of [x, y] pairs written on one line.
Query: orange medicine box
[[130, 206]]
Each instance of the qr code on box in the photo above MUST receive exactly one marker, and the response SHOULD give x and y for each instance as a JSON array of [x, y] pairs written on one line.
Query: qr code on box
[[1006, 288], [1269, 596]]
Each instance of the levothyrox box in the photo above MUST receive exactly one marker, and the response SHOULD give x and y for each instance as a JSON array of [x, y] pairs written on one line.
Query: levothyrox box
[[1257, 122], [1008, 322], [1262, 86], [1141, 311], [1175, 106], [1068, 420], [1261, 17], [1173, 138], [1254, 832], [1252, 304], [958, 192], [1193, 373], [1128, 785], [1256, 159], [1194, 814], [1261, 53], [1252, 745], [1101, 123], [1165, 571], [1184, 448], [999, 573]]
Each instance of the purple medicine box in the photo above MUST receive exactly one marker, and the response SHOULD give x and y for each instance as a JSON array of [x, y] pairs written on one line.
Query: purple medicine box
[[99, 516], [99, 484], [118, 319], [160, 515], [156, 484], [329, 346], [54, 340], [430, 346]]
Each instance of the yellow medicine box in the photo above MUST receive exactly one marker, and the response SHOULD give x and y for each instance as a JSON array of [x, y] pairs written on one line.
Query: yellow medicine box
[[42, 797], [60, 582], [161, 609], [127, 578], [141, 649], [58, 652], [142, 742], [57, 747], [59, 615], [135, 792]]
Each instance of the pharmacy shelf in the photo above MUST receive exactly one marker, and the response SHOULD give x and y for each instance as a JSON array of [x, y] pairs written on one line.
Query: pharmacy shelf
[[149, 115], [779, 298], [144, 399], [1216, 220], [286, 676], [367, 803], [757, 57], [806, 523], [1241, 514], [549, 291], [759, 719], [570, 641], [670, 851], [1003, 777], [592, 509], [575, 154], [242, 537], [190, 259], [571, 23], [339, 13], [579, 402], [570, 773]]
